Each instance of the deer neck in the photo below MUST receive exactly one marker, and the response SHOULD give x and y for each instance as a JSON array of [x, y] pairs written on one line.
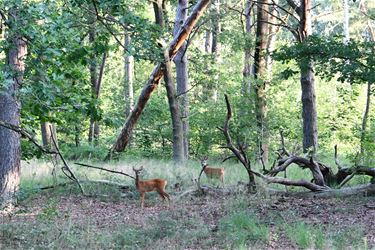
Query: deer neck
[[137, 180]]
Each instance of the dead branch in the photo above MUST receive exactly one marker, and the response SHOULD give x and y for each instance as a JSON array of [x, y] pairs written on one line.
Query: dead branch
[[104, 169], [26, 134], [65, 169], [239, 153]]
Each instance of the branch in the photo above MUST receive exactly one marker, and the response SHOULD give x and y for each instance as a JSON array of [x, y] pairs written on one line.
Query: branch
[[66, 167], [26, 134], [104, 169]]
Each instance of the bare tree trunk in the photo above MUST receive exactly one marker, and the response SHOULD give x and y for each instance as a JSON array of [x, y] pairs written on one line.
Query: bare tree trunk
[[260, 59], [272, 31], [10, 107], [208, 41], [129, 76], [368, 99], [248, 66], [155, 77], [365, 117], [216, 29], [95, 79], [345, 6], [47, 136], [178, 146], [177, 128], [159, 12], [309, 113], [182, 76]]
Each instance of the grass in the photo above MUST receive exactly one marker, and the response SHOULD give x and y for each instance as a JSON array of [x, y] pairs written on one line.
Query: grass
[[61, 218]]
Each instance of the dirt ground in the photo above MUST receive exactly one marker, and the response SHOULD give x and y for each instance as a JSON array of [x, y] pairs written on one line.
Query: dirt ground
[[336, 214]]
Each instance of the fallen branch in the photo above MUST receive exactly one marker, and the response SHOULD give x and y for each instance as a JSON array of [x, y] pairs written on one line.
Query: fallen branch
[[104, 169]]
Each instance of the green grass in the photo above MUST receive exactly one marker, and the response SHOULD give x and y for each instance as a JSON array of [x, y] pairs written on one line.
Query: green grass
[[243, 229], [234, 222]]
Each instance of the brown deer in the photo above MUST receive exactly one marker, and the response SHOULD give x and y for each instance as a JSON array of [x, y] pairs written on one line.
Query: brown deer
[[212, 173], [145, 186]]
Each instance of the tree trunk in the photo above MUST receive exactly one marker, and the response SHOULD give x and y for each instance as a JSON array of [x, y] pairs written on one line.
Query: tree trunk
[[95, 79], [159, 12], [93, 75], [155, 77], [10, 107], [260, 75], [129, 76], [248, 66], [309, 113], [47, 135], [178, 149], [368, 99], [345, 6], [178, 146], [182, 77], [216, 29]]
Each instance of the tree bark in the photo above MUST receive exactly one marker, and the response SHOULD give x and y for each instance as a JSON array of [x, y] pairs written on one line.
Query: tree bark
[[159, 12], [345, 6], [248, 66], [260, 74], [129, 76], [95, 79], [309, 112], [155, 77], [177, 132], [182, 77], [178, 147], [47, 136], [10, 107]]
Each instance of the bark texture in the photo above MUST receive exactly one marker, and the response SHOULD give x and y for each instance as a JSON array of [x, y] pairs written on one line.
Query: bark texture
[[129, 78], [10, 107], [260, 74], [182, 77]]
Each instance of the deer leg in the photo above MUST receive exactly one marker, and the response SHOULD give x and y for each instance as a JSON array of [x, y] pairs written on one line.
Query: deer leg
[[142, 199]]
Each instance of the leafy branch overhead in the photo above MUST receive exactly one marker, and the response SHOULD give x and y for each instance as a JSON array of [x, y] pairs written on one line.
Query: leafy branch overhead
[[352, 62]]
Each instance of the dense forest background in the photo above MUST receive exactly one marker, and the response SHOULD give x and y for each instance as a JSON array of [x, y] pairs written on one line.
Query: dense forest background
[[87, 62]]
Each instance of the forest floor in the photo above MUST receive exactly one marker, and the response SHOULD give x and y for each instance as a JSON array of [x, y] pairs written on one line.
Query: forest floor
[[62, 220]]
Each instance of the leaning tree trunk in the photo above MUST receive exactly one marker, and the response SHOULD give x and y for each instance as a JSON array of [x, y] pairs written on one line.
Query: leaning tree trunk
[[155, 77], [10, 107], [260, 73], [182, 77], [345, 6]]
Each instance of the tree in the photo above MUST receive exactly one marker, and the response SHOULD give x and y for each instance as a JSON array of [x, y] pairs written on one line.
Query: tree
[[155, 77], [260, 74], [182, 77], [309, 112], [10, 107]]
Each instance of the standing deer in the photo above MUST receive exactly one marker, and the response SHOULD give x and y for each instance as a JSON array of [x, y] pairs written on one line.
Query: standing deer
[[143, 187], [212, 173]]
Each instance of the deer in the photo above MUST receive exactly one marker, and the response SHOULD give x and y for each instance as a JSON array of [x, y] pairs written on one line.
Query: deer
[[212, 173], [145, 186]]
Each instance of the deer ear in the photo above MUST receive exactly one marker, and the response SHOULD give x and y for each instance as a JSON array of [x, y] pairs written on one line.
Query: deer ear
[[141, 168]]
